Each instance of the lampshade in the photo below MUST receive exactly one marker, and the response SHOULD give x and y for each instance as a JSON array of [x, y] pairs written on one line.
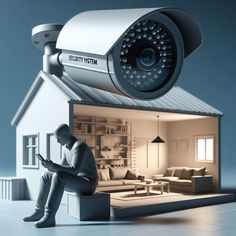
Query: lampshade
[[158, 139]]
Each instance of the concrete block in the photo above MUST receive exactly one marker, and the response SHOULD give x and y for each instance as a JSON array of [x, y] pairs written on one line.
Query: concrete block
[[92, 207]]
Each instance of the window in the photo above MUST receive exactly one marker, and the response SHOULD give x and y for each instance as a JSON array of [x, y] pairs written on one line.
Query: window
[[205, 148], [30, 148]]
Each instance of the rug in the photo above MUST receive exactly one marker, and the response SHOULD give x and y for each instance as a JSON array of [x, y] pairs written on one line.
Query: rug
[[129, 196]]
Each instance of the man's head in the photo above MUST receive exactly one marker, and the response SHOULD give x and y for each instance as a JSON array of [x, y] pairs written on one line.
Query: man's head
[[62, 134]]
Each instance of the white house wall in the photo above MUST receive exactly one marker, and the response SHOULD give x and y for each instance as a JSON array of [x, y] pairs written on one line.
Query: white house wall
[[48, 108], [182, 134]]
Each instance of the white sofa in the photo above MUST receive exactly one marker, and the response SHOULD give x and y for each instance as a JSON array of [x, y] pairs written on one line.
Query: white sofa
[[115, 179], [186, 179]]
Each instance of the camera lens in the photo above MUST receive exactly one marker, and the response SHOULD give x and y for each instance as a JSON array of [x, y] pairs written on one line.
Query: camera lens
[[146, 59]]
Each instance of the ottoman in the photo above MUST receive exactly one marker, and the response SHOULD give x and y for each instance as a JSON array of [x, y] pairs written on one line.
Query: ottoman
[[91, 207]]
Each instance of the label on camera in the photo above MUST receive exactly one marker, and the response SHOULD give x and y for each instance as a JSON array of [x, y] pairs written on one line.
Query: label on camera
[[79, 59], [85, 62]]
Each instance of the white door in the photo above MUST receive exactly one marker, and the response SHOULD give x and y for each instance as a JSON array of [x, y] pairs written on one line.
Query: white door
[[146, 154], [54, 149], [141, 154], [153, 156]]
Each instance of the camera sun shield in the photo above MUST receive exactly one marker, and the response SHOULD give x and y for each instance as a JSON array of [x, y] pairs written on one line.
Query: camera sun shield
[[133, 52]]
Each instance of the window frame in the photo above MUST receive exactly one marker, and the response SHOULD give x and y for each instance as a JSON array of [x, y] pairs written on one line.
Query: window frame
[[25, 139], [205, 137], [48, 146]]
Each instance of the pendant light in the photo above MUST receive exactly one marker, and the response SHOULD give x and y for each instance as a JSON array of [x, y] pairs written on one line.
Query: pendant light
[[158, 139]]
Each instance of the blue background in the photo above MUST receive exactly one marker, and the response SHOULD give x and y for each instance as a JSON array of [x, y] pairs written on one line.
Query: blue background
[[208, 74]]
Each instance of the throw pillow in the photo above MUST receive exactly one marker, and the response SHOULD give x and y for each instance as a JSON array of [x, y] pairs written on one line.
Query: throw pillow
[[130, 175], [199, 171], [169, 172], [186, 174], [177, 172], [104, 174], [118, 173]]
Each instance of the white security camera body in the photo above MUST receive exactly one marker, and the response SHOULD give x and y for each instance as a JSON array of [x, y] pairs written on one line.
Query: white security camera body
[[133, 52]]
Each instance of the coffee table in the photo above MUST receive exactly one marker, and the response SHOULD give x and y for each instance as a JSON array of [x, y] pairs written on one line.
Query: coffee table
[[160, 184]]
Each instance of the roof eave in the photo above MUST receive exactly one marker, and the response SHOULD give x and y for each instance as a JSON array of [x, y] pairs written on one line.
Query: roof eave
[[28, 98], [41, 77], [145, 108]]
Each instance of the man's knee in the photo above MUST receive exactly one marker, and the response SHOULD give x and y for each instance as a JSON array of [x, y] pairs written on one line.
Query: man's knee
[[58, 176]]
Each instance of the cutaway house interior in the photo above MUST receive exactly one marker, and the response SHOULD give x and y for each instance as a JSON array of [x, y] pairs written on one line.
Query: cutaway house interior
[[152, 156]]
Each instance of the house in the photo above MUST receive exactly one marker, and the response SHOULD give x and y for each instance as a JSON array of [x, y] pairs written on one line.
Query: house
[[118, 129]]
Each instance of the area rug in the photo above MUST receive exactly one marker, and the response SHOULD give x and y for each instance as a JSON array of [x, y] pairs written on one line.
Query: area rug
[[130, 196]]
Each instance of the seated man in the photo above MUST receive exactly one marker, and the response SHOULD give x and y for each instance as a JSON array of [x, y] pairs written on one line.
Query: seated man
[[77, 173]]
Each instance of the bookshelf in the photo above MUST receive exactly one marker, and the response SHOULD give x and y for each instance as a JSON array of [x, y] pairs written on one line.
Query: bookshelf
[[108, 138]]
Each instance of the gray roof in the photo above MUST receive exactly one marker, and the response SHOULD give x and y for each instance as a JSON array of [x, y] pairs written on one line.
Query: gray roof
[[176, 100]]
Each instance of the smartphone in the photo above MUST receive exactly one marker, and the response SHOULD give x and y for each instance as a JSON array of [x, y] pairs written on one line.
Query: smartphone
[[40, 157]]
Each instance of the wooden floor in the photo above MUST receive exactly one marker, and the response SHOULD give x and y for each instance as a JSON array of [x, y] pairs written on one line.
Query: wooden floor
[[216, 220]]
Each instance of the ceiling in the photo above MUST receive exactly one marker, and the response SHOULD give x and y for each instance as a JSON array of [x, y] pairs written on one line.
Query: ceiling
[[131, 114]]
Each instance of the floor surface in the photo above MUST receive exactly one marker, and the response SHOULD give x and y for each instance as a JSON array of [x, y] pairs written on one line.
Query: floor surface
[[217, 220], [126, 204]]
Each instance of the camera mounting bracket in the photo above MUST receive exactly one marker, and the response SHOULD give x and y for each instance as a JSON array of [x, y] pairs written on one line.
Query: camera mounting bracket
[[44, 38]]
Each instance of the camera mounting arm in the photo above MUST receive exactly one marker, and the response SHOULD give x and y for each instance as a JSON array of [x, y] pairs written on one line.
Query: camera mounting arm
[[44, 37]]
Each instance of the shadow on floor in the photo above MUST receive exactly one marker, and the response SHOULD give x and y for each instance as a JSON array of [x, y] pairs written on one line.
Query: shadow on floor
[[229, 190], [99, 223], [164, 221], [134, 221]]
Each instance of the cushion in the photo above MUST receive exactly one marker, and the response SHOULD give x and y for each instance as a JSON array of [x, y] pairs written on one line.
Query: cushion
[[169, 172], [177, 172], [166, 178], [186, 174], [130, 181], [118, 173], [109, 183], [130, 175], [199, 171], [181, 182], [104, 174]]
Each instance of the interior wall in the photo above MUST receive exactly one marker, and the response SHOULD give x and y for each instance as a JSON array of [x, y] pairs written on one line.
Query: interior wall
[[145, 130], [145, 152], [181, 143], [142, 133]]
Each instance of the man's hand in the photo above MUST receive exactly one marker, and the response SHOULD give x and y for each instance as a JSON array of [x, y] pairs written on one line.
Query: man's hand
[[49, 165]]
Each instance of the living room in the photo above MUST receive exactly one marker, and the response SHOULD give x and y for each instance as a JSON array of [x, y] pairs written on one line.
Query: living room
[[190, 141]]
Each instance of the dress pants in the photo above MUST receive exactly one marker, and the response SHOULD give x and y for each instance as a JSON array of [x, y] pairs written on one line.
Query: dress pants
[[53, 184]]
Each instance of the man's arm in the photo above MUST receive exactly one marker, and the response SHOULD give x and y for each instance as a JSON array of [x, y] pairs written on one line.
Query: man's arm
[[78, 156], [64, 161]]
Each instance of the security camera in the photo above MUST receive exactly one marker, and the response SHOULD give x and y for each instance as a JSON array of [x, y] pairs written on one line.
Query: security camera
[[133, 52]]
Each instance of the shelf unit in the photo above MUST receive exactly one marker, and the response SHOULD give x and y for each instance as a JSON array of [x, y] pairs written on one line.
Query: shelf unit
[[108, 138]]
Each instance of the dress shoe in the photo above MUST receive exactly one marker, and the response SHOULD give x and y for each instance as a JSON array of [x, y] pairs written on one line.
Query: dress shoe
[[48, 220], [37, 215]]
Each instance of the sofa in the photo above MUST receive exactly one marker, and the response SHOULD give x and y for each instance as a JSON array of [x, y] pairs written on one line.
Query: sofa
[[186, 179], [115, 179]]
